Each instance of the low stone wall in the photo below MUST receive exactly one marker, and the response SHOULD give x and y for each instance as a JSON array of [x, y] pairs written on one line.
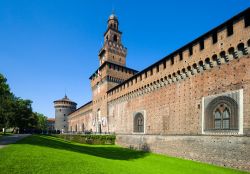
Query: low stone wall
[[228, 151]]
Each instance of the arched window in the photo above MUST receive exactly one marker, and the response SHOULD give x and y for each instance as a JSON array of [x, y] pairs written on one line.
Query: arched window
[[221, 114], [138, 123], [222, 117], [248, 43], [115, 38]]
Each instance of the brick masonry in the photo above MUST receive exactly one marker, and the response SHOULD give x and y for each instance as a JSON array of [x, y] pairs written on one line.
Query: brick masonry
[[172, 95]]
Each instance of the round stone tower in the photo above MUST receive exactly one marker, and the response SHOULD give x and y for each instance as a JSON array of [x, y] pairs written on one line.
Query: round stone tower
[[63, 108]]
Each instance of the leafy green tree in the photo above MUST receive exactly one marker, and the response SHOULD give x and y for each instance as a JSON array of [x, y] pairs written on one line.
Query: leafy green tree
[[16, 112], [6, 102], [42, 121], [22, 115]]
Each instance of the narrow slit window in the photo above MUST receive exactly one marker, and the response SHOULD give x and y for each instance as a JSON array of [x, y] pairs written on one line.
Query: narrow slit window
[[247, 20], [230, 30], [202, 45], [172, 60], [157, 68], [164, 64], [215, 38], [190, 51], [181, 56]]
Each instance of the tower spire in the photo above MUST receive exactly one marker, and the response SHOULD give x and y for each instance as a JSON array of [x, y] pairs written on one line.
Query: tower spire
[[113, 10]]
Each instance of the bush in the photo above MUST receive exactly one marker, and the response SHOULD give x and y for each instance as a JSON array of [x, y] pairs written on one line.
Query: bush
[[88, 139]]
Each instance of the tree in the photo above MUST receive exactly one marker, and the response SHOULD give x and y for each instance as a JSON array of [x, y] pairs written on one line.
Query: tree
[[42, 121], [16, 112], [22, 115], [6, 102]]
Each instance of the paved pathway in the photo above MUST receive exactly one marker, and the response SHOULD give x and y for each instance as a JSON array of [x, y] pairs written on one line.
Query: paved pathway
[[5, 140]]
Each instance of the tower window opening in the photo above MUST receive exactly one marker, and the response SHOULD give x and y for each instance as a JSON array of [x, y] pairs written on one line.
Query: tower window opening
[[115, 38]]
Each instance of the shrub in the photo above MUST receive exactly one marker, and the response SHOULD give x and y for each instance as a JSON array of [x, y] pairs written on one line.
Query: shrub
[[88, 139]]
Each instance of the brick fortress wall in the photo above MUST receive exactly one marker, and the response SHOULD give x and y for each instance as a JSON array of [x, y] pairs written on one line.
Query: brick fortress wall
[[170, 95]]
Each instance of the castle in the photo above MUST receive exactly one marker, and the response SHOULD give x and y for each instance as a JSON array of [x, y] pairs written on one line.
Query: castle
[[194, 103]]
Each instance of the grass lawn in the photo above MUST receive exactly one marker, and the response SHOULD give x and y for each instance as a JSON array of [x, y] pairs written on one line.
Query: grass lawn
[[45, 154]]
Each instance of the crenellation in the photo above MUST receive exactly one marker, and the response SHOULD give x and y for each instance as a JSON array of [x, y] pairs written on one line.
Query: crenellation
[[174, 94]]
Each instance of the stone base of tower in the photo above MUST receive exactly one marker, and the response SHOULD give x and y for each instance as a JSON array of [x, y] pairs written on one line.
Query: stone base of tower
[[228, 151]]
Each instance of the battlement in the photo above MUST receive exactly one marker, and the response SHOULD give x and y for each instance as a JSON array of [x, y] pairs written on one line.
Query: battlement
[[115, 46], [222, 44]]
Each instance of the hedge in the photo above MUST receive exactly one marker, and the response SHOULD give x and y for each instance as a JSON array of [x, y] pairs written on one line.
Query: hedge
[[88, 139]]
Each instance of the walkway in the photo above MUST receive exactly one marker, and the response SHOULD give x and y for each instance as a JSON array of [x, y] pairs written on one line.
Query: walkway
[[5, 140]]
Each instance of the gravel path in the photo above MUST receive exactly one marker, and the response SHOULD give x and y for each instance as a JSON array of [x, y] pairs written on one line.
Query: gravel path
[[5, 140]]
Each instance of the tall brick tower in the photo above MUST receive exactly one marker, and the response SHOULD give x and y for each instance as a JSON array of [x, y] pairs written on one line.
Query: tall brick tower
[[111, 72], [113, 50]]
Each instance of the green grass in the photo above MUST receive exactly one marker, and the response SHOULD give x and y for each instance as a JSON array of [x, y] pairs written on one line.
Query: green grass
[[46, 154]]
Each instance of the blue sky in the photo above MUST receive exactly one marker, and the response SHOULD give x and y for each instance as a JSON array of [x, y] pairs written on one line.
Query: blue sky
[[48, 47]]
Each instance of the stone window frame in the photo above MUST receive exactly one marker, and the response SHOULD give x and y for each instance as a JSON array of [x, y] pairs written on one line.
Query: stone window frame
[[239, 131], [217, 104], [143, 112]]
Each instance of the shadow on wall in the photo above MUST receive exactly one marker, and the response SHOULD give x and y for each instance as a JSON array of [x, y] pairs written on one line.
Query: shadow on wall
[[104, 151]]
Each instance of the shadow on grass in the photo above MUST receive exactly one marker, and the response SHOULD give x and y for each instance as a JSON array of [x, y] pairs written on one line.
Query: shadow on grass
[[104, 151]]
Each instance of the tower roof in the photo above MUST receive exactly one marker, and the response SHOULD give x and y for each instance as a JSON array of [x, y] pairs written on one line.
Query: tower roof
[[113, 16], [65, 98]]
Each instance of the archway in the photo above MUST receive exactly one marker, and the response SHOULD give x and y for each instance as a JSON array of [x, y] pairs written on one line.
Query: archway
[[139, 123]]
